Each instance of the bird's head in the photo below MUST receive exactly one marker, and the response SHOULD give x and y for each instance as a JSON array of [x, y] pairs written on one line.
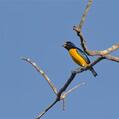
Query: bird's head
[[68, 45]]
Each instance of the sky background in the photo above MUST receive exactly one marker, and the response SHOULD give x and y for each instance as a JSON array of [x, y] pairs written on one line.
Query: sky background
[[37, 29]]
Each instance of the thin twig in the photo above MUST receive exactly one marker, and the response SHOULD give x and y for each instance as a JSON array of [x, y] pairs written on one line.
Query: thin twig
[[85, 14], [64, 102], [83, 42], [42, 73], [110, 49], [112, 58], [47, 108], [74, 88], [96, 61]]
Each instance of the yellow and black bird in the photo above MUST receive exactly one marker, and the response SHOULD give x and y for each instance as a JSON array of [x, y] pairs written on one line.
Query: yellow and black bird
[[78, 56]]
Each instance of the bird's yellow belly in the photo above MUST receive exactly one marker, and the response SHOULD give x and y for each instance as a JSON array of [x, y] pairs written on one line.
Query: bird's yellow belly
[[77, 58]]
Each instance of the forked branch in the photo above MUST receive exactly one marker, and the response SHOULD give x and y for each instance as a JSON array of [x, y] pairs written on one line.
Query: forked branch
[[61, 94], [104, 53]]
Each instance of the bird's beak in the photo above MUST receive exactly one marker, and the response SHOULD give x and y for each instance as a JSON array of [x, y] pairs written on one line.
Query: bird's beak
[[64, 45]]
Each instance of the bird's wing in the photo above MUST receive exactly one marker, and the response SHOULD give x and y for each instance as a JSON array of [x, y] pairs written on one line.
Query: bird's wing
[[83, 54]]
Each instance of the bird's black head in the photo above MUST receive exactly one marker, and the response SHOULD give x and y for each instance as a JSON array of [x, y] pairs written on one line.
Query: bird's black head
[[68, 45]]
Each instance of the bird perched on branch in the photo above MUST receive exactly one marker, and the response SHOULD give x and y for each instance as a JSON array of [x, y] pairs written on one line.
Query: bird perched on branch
[[78, 56]]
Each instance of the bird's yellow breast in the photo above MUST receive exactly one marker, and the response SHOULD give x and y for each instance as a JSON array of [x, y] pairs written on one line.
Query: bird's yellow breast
[[77, 58]]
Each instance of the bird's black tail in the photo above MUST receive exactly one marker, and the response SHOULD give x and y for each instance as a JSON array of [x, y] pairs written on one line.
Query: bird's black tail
[[93, 72]]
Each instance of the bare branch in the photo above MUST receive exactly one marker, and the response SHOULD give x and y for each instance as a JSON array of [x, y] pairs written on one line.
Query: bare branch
[[47, 108], [74, 73], [85, 14], [72, 76], [74, 88], [96, 61], [109, 50], [104, 53], [112, 58], [42, 73], [83, 42], [64, 102], [59, 94]]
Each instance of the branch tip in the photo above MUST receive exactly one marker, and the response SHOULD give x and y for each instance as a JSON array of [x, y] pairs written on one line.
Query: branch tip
[[42, 73]]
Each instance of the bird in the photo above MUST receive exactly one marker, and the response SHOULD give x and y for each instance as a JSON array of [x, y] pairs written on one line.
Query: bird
[[78, 56]]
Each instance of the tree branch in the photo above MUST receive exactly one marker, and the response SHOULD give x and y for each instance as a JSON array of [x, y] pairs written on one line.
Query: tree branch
[[72, 89], [42, 73], [85, 14], [47, 108], [112, 58], [104, 53], [60, 95], [109, 50], [63, 105]]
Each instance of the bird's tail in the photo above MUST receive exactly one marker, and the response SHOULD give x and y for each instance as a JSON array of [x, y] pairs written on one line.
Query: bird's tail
[[93, 72]]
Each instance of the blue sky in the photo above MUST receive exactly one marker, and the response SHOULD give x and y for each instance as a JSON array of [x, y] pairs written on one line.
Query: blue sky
[[37, 29]]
